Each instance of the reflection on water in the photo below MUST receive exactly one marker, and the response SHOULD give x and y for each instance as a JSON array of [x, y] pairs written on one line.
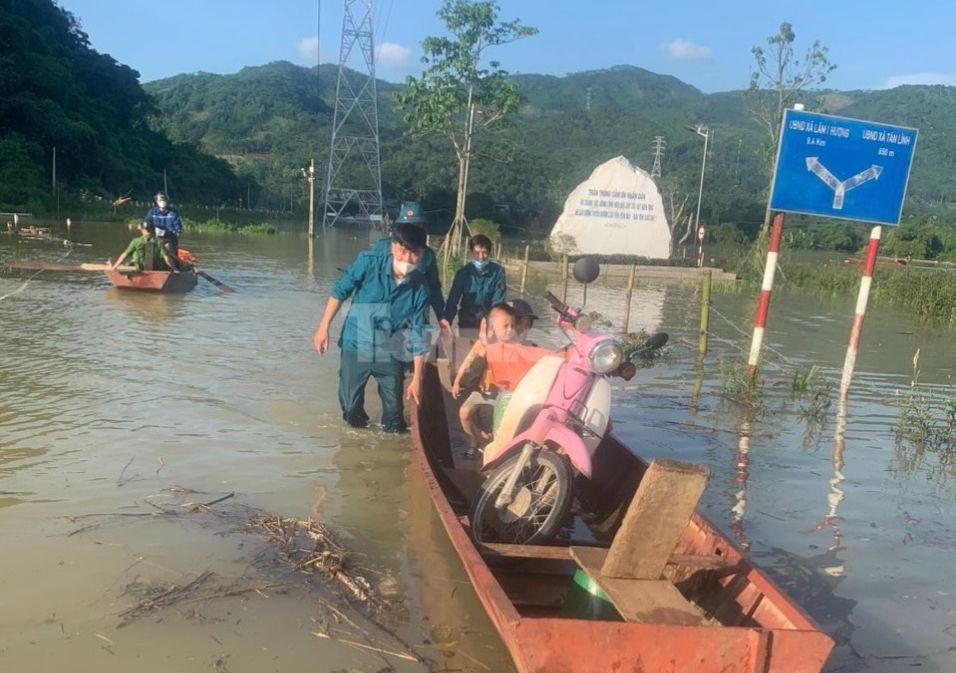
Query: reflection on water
[[108, 398]]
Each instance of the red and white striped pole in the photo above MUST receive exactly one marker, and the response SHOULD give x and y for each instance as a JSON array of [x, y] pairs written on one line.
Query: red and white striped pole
[[857, 329], [763, 304]]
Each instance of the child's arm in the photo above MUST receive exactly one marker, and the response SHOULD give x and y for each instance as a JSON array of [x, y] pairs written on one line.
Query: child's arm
[[477, 351]]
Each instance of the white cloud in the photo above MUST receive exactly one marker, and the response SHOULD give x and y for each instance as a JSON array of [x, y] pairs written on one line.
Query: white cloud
[[308, 49], [686, 50], [920, 78], [392, 55]]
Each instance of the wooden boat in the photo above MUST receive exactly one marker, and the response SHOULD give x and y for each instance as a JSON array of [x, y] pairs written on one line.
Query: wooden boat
[[152, 281], [705, 609]]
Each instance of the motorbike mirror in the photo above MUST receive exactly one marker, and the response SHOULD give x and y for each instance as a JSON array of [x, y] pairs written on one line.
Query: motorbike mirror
[[586, 270], [653, 342]]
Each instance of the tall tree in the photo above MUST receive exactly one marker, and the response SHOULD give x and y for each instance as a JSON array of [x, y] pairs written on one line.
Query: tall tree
[[777, 82], [458, 95]]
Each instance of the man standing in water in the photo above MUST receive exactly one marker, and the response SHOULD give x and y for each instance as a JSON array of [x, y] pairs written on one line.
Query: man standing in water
[[384, 327], [168, 227], [411, 213]]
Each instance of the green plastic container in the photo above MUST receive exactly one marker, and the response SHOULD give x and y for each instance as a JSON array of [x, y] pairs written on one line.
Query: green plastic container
[[501, 403], [585, 600]]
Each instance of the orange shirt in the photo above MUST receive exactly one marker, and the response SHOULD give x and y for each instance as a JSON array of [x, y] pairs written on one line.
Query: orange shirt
[[509, 362]]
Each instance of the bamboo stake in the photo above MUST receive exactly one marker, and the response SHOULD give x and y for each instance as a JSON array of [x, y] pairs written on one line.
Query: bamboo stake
[[564, 278], [705, 282], [524, 269], [627, 297]]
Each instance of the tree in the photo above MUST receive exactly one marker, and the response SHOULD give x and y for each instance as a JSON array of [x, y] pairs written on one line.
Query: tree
[[777, 81], [456, 87]]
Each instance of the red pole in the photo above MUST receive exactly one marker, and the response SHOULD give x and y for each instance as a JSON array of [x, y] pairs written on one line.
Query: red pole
[[763, 305], [857, 329]]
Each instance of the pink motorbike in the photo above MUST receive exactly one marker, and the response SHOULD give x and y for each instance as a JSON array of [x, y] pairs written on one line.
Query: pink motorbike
[[550, 429]]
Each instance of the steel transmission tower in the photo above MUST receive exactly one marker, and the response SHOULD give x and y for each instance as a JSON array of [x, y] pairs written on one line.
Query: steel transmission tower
[[355, 167], [658, 153]]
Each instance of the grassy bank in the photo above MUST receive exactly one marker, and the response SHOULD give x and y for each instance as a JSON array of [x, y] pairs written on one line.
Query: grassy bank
[[929, 293]]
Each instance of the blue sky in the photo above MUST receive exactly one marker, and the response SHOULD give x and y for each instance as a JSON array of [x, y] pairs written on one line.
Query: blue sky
[[876, 44]]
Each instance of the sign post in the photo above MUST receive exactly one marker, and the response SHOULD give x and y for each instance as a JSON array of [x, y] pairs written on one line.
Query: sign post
[[841, 168]]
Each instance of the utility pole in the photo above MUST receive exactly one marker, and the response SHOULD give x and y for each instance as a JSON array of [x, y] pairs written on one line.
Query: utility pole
[[705, 132], [165, 187], [311, 198], [658, 154]]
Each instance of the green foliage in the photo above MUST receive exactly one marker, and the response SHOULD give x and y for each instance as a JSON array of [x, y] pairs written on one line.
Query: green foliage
[[455, 96], [487, 228], [779, 79], [737, 385], [921, 238], [56, 91], [926, 427], [217, 226], [558, 246], [802, 380]]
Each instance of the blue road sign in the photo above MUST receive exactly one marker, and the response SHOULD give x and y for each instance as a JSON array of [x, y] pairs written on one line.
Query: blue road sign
[[844, 168]]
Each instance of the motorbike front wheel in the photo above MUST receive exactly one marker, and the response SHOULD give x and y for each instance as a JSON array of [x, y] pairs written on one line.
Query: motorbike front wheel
[[542, 499]]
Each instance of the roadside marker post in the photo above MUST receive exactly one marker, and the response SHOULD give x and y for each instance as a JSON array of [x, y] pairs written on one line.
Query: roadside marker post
[[841, 168]]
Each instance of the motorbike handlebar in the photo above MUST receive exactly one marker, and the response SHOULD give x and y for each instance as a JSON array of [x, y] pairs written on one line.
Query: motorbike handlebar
[[556, 303]]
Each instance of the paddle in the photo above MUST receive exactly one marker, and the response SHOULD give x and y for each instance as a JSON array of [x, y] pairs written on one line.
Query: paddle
[[222, 286], [40, 265]]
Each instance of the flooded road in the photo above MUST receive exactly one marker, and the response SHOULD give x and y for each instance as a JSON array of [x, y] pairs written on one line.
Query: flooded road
[[115, 403]]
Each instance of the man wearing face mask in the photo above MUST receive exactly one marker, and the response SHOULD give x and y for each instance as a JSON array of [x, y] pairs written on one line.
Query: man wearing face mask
[[477, 287], [384, 328], [411, 213], [168, 226]]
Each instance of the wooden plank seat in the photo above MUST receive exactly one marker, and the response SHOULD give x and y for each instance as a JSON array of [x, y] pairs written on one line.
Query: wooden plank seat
[[630, 572]]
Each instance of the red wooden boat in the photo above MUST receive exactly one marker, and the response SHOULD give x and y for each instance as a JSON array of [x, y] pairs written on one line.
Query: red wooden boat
[[709, 610], [153, 281]]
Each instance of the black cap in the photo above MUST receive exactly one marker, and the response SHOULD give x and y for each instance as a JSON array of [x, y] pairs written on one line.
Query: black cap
[[522, 309], [411, 236]]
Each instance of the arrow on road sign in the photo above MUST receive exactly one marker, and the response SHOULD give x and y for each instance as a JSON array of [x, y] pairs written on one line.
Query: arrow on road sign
[[841, 188]]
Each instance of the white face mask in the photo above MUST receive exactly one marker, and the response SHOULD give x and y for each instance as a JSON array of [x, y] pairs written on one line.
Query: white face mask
[[402, 269]]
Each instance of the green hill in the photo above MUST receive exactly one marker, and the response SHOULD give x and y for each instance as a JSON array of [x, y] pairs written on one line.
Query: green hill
[[269, 120], [57, 91]]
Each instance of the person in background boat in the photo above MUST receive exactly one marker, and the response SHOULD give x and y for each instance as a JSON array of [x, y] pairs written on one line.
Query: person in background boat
[[411, 213], [168, 225], [144, 251], [384, 329], [477, 287]]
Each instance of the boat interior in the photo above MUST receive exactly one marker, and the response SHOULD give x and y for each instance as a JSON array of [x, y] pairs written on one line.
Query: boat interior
[[635, 535]]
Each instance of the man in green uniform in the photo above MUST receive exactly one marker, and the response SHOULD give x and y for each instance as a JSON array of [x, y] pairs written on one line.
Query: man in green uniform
[[144, 252], [384, 329]]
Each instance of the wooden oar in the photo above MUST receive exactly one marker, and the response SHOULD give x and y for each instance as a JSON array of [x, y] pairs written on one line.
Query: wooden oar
[[218, 283], [40, 265]]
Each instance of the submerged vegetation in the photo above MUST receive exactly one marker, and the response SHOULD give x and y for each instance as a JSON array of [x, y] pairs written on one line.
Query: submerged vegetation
[[926, 429], [217, 226]]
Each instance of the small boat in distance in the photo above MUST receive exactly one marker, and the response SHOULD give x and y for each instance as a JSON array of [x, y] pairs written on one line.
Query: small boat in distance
[[562, 608], [153, 281]]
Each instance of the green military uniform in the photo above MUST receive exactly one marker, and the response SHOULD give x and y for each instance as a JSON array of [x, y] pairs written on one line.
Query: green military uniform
[[144, 253]]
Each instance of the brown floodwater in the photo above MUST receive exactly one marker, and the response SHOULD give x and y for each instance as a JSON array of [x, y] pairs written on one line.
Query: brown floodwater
[[114, 404]]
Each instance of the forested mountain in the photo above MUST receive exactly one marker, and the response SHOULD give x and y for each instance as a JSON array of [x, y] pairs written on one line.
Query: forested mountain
[[57, 91], [270, 120]]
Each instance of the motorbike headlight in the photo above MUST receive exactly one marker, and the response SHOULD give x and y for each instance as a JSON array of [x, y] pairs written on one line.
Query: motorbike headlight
[[605, 357]]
